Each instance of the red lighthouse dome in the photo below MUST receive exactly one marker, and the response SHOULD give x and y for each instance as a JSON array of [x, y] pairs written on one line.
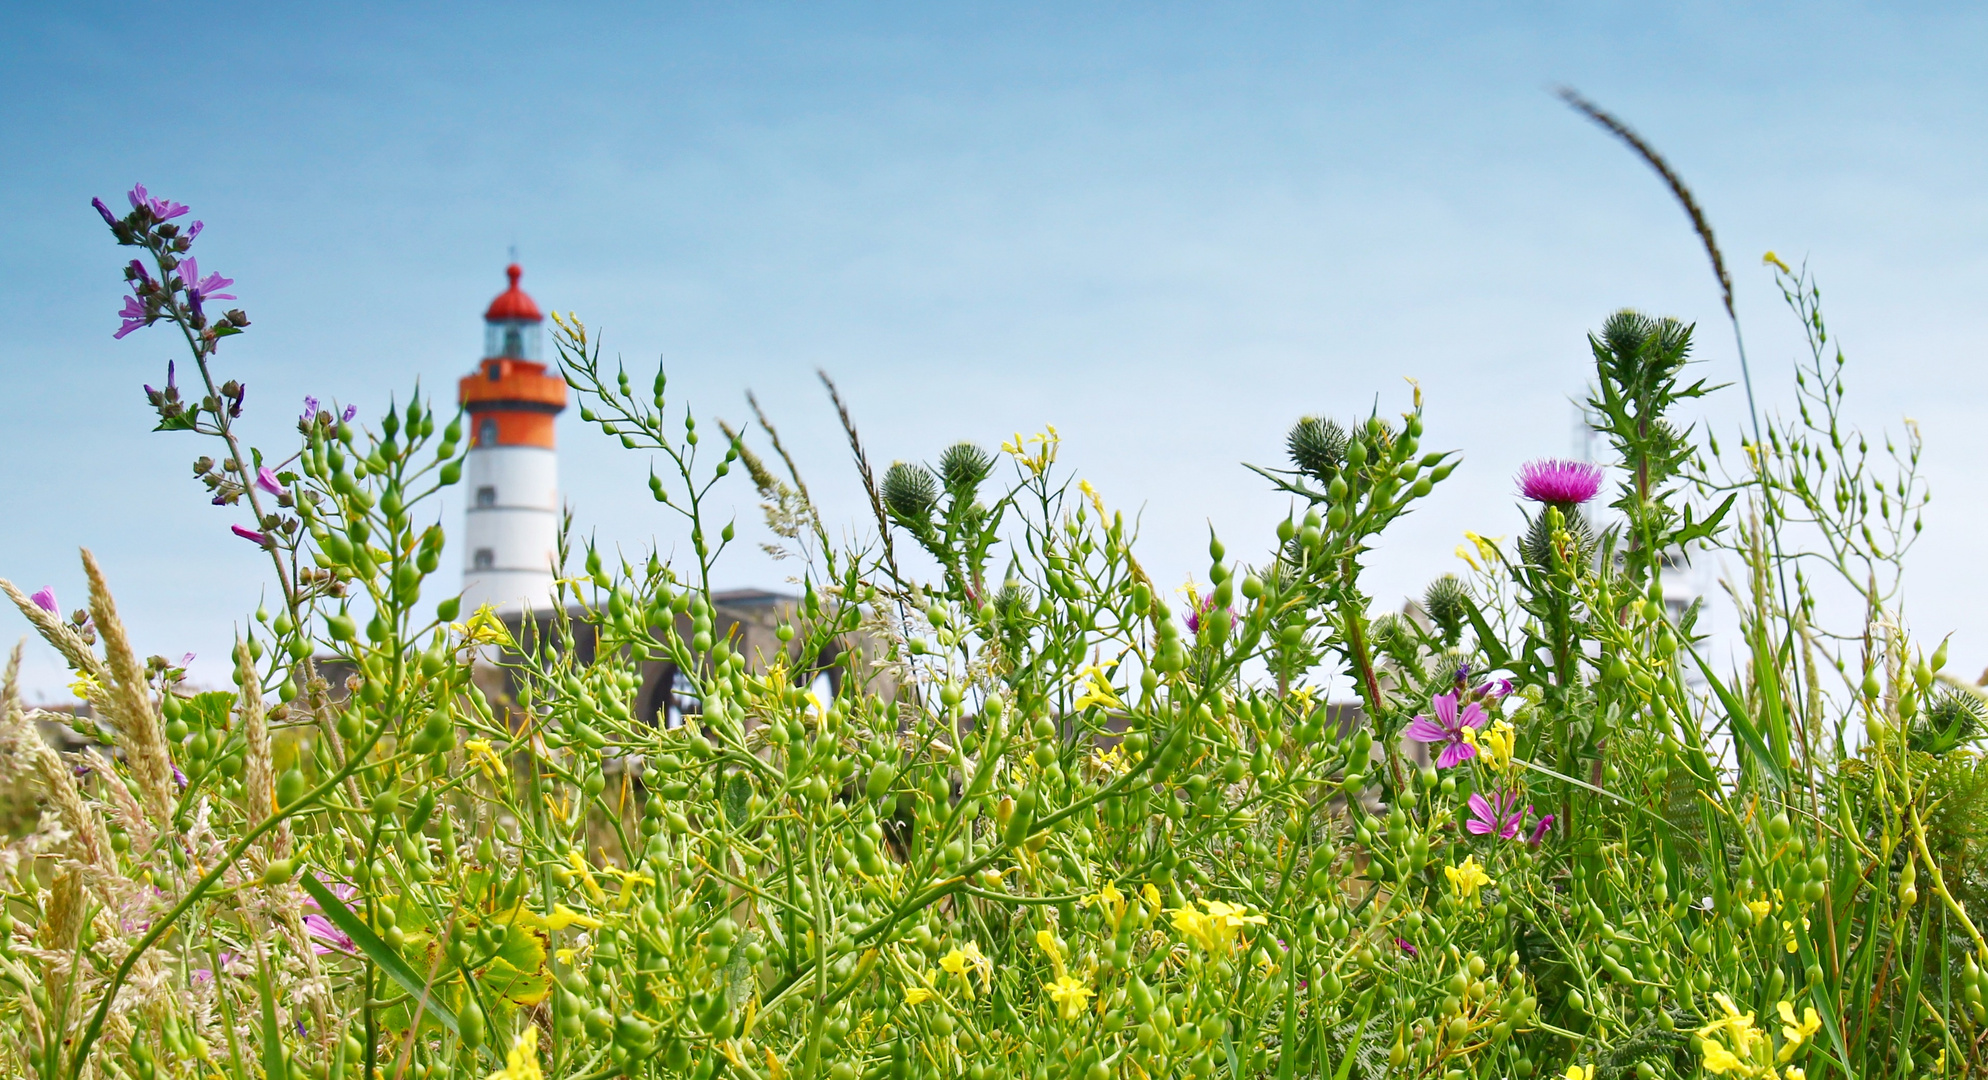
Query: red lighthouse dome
[[514, 303]]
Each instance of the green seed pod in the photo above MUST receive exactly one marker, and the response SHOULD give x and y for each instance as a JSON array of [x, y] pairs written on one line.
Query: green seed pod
[[469, 1024], [290, 787]]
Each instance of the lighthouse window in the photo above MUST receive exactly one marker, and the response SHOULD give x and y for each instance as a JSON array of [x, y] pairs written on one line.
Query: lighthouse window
[[514, 342], [485, 559], [486, 432], [486, 496]]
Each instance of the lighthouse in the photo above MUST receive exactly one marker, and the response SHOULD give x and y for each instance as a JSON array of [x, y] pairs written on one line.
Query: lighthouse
[[511, 522]]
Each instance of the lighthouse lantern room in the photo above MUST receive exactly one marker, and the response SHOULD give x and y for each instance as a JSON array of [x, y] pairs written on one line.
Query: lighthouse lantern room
[[511, 523]]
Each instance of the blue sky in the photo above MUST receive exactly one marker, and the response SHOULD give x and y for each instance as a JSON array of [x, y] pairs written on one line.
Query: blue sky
[[1169, 230]]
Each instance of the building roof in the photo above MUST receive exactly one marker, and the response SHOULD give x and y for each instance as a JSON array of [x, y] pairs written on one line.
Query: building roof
[[513, 303]]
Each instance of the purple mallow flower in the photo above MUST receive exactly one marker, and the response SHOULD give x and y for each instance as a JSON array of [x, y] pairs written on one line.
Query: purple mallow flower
[[199, 289], [134, 315], [1447, 728], [350, 412], [265, 478], [45, 600], [1407, 947], [1540, 830], [324, 930], [194, 231], [1561, 483], [310, 408], [248, 534], [109, 218], [162, 209], [1498, 814]]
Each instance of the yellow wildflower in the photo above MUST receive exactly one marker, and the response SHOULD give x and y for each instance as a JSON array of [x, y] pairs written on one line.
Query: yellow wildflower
[[1191, 923], [629, 881], [486, 757], [965, 958], [1098, 692], [917, 995], [1150, 895], [1214, 927], [1479, 547], [86, 687], [1048, 942], [1039, 461], [1794, 1072], [483, 628], [1795, 1032], [1788, 927], [1738, 1030], [1110, 899], [1092, 493], [1718, 1059], [1113, 761], [1773, 260], [1580, 1072], [586, 875], [1760, 909], [1070, 994], [1494, 745], [522, 1062], [1468, 878]]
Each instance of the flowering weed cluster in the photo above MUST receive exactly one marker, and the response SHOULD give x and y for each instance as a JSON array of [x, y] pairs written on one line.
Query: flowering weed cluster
[[1043, 825]]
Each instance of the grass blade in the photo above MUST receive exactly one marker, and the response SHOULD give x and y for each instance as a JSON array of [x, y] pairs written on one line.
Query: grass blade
[[379, 952]]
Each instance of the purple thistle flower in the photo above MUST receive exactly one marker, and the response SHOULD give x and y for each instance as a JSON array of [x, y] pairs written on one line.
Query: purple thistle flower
[[109, 218], [162, 209], [350, 412], [1407, 947], [1540, 830], [45, 600], [1447, 729], [1489, 816], [310, 408], [248, 534], [134, 315], [265, 478], [1200, 612], [1558, 482]]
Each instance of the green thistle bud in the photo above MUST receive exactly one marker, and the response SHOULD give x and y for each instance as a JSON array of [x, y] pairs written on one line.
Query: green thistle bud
[[910, 493], [1447, 603], [963, 466], [1317, 447]]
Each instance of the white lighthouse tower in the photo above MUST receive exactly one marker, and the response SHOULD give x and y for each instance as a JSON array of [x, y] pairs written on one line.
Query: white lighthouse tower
[[511, 526]]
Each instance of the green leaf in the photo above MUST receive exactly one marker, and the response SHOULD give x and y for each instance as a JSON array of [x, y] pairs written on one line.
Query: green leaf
[[1740, 722], [211, 708], [272, 1035], [738, 793], [377, 951]]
